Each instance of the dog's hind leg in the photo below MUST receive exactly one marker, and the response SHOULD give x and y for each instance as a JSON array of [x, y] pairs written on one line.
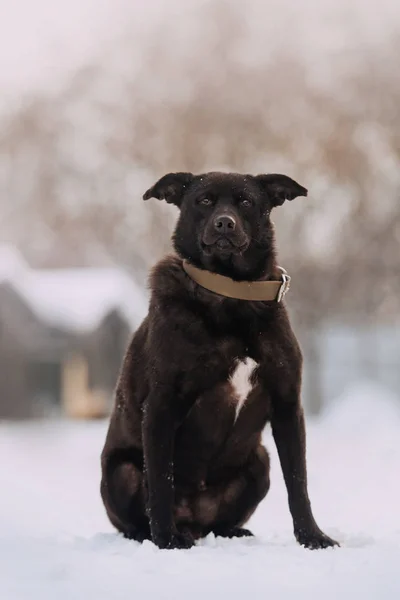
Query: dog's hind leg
[[123, 493], [239, 498]]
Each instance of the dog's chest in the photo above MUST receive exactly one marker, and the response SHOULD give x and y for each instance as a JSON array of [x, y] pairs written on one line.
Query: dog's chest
[[242, 382]]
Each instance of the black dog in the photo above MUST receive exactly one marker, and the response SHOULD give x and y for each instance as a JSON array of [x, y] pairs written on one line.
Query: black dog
[[183, 455]]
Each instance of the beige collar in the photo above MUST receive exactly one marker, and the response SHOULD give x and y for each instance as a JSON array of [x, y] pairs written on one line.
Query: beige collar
[[240, 290]]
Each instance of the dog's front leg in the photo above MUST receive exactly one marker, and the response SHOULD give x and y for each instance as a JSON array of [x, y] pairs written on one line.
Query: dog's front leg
[[289, 434], [159, 427]]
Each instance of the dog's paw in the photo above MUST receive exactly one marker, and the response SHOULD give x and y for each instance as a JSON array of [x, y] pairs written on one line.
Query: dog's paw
[[177, 540], [314, 539], [182, 540], [234, 532]]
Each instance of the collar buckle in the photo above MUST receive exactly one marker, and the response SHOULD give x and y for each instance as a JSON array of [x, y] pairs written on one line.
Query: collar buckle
[[285, 285]]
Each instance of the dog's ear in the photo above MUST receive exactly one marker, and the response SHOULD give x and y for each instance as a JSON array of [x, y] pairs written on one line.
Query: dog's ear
[[281, 188], [170, 188]]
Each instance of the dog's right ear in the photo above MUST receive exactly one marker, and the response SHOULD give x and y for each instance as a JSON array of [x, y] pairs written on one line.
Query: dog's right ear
[[170, 188]]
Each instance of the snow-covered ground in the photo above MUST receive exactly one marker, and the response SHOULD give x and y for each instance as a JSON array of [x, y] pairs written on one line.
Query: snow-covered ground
[[56, 543]]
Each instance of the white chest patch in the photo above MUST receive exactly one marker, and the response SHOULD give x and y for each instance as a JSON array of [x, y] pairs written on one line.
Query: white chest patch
[[241, 381]]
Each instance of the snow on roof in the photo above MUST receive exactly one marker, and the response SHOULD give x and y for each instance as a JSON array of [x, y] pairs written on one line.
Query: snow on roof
[[75, 299], [11, 262]]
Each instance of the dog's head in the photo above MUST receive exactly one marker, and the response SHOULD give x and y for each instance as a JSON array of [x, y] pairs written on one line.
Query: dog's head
[[224, 224]]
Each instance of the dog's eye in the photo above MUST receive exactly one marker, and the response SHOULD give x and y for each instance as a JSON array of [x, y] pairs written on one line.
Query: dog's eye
[[205, 201], [245, 202]]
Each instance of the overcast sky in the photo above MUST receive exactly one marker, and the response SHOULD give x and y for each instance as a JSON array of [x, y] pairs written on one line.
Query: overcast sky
[[42, 40]]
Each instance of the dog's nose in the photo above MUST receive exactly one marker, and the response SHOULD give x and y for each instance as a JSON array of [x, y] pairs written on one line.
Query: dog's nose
[[224, 224]]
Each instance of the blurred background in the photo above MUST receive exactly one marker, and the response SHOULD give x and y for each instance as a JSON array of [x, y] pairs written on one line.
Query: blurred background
[[100, 99]]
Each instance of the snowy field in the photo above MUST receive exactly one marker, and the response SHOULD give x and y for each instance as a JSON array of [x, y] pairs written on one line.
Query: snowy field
[[55, 542]]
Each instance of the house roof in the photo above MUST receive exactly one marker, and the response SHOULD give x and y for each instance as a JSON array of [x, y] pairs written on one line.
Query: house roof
[[74, 299]]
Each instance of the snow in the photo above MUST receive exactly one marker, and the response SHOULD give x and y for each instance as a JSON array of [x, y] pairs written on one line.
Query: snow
[[73, 299], [80, 298], [12, 263], [56, 542]]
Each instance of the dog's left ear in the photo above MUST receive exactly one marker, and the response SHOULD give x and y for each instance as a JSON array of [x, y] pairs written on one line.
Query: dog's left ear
[[170, 188], [281, 188]]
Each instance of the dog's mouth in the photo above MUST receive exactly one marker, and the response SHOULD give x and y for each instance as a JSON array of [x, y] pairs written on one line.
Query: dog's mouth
[[224, 245]]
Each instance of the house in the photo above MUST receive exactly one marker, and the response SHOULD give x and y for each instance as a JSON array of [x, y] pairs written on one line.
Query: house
[[63, 334]]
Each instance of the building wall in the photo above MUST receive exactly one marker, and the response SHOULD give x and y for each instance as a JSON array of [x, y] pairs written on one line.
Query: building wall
[[342, 356], [14, 400], [106, 348], [45, 371]]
